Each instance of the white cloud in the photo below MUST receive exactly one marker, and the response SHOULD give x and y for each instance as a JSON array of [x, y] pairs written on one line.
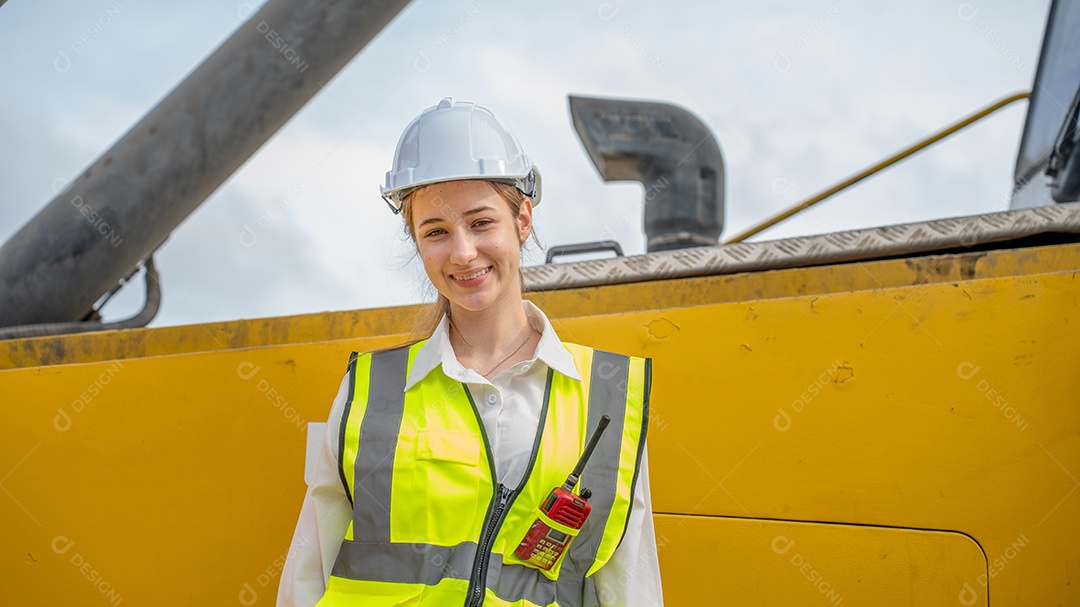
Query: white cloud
[[862, 82]]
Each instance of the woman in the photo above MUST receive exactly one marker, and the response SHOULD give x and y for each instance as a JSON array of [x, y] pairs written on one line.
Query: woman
[[439, 454]]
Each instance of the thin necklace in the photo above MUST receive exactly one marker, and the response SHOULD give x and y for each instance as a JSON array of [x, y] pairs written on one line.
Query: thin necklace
[[462, 337], [527, 338]]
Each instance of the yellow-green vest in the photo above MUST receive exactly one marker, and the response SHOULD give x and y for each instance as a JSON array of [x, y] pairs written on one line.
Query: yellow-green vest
[[432, 527]]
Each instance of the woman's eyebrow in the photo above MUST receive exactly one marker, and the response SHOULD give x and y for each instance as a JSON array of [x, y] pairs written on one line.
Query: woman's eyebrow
[[478, 210], [466, 213]]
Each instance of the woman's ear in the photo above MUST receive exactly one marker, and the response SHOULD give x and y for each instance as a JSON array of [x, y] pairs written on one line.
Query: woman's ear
[[524, 219]]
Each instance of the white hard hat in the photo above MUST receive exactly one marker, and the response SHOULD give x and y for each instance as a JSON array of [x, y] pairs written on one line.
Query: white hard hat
[[458, 140]]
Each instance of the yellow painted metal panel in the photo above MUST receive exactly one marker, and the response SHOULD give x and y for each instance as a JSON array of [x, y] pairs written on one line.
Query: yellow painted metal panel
[[948, 406], [783, 563], [383, 327], [171, 480], [944, 406], [387, 325]]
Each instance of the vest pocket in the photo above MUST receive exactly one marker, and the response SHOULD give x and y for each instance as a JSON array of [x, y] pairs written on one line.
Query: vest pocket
[[447, 480], [445, 446]]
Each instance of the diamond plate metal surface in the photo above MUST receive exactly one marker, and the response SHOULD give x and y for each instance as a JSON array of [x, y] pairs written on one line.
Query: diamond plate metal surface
[[835, 247]]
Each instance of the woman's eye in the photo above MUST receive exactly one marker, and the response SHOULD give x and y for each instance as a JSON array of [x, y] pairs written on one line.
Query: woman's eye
[[433, 233], [482, 222]]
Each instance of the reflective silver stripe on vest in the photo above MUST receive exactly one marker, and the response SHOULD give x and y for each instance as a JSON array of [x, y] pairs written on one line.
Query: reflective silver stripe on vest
[[589, 596], [513, 583], [427, 564], [372, 557], [378, 439], [607, 396], [404, 563]]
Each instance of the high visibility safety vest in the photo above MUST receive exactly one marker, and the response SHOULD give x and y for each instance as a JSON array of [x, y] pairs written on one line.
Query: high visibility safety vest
[[432, 527]]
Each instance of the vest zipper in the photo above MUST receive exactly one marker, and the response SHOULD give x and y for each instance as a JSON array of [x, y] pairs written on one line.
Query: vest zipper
[[496, 512], [500, 501]]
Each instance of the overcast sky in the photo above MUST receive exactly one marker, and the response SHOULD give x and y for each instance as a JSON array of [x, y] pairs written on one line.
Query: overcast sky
[[799, 94]]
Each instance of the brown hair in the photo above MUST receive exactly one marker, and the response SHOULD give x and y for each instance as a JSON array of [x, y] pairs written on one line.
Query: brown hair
[[428, 317]]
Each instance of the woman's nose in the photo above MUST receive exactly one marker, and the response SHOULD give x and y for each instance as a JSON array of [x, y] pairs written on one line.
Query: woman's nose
[[464, 249]]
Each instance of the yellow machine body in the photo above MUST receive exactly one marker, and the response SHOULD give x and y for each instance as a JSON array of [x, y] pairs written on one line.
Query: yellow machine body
[[897, 432]]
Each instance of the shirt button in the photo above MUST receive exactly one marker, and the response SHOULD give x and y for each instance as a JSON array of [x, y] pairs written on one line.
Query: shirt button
[[525, 367], [492, 399]]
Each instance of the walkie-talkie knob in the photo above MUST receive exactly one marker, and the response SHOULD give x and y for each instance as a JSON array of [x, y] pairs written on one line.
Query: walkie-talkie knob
[[586, 494]]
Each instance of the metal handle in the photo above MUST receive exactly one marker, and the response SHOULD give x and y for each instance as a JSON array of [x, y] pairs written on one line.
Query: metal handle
[[584, 247]]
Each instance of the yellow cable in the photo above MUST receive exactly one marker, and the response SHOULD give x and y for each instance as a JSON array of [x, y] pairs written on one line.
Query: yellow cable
[[816, 198]]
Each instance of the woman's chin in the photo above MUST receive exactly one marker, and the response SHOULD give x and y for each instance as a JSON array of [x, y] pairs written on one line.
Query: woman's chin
[[473, 302], [472, 305]]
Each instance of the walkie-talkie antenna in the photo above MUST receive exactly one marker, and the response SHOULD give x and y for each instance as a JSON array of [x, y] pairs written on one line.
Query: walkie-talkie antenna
[[573, 478]]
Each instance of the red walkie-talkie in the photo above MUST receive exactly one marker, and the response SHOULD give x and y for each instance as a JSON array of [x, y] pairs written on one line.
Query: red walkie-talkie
[[543, 544]]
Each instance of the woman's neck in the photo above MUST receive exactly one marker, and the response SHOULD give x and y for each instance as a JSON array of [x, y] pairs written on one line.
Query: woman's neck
[[482, 339]]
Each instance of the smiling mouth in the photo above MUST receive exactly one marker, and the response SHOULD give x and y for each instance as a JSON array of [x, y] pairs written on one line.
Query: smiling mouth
[[476, 274]]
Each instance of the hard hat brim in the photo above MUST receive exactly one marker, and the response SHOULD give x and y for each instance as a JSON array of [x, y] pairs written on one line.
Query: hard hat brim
[[529, 185]]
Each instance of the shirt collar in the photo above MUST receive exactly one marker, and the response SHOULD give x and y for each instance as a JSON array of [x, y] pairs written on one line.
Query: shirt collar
[[438, 351]]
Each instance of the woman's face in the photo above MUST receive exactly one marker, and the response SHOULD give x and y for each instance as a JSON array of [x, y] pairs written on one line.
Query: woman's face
[[470, 242]]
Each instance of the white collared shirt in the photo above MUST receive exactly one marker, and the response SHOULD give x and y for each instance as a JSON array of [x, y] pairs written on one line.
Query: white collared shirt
[[509, 407]]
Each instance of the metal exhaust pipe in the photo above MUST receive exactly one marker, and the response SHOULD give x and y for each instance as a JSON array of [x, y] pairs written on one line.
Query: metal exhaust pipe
[[670, 152]]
